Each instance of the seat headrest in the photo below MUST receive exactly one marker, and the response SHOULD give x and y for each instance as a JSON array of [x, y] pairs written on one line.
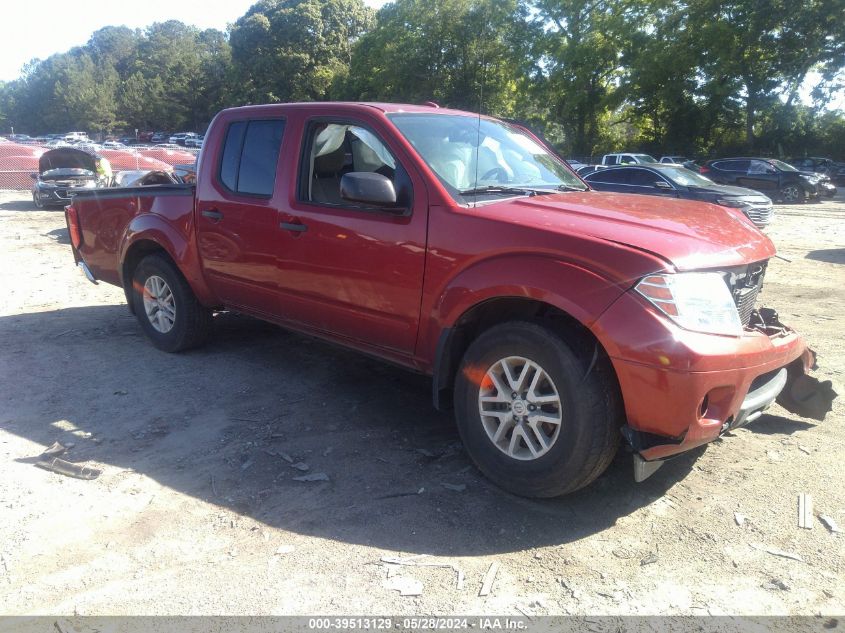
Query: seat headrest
[[330, 163]]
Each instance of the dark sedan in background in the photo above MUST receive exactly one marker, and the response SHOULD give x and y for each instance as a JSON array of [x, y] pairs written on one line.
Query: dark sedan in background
[[770, 176], [60, 172], [678, 182]]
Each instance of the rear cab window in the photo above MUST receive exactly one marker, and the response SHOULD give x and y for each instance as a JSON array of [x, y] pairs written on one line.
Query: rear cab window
[[250, 155]]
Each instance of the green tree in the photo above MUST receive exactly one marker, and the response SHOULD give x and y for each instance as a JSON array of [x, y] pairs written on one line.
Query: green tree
[[580, 52], [454, 52], [294, 50]]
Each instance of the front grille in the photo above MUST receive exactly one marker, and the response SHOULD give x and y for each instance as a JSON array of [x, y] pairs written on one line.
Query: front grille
[[745, 299], [760, 215], [745, 283]]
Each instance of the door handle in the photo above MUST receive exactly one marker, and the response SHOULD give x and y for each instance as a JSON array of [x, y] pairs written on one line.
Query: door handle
[[293, 226], [213, 214]]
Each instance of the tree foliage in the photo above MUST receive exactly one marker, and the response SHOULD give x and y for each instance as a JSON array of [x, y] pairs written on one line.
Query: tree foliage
[[677, 76], [294, 50]]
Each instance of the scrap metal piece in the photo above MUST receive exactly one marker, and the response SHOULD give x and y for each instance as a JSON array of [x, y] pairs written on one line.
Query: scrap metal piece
[[805, 511], [489, 578], [643, 469], [69, 469], [805, 395], [829, 523]]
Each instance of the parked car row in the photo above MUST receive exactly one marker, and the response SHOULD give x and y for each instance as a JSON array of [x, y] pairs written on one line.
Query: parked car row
[[673, 181], [745, 183]]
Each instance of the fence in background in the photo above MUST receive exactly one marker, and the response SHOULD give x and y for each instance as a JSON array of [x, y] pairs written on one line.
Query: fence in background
[[19, 161]]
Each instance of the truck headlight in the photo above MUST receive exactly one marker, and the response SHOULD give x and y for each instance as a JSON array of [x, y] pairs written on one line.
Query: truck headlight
[[700, 302]]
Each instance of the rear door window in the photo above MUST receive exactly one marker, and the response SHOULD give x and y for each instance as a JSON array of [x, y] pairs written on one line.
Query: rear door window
[[760, 167], [644, 178], [610, 176], [250, 155], [733, 165]]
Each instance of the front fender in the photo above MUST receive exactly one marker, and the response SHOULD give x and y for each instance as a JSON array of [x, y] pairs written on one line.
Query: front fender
[[577, 291]]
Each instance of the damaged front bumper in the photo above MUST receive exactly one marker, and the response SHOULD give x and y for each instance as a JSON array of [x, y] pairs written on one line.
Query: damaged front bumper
[[728, 387]]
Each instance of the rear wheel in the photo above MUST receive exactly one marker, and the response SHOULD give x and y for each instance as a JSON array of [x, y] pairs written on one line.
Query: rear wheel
[[793, 194], [166, 307], [535, 418]]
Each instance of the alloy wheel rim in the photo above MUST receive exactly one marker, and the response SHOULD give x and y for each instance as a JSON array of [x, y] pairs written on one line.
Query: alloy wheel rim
[[790, 194], [159, 304], [520, 408]]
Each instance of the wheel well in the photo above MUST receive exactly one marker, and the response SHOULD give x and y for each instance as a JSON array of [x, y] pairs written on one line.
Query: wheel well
[[455, 341], [138, 251]]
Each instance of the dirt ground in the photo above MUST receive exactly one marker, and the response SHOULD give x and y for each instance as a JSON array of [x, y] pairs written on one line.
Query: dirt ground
[[197, 510]]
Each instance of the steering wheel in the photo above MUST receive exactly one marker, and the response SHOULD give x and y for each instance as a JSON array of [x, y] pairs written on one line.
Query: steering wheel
[[499, 173]]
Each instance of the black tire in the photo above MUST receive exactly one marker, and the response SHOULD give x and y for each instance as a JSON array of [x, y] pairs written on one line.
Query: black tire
[[37, 202], [192, 322], [589, 403]]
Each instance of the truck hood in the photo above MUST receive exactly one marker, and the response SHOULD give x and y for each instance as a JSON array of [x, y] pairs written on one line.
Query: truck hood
[[689, 235]]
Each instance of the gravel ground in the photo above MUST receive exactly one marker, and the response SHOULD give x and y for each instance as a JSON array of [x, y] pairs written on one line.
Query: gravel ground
[[197, 510]]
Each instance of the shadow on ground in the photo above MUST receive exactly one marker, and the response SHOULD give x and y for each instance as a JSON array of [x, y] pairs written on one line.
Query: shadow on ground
[[24, 204], [829, 255], [219, 424]]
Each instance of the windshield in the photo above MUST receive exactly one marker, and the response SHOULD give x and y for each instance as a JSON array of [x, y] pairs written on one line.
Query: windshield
[[644, 158], [686, 177], [67, 172], [484, 159], [781, 165]]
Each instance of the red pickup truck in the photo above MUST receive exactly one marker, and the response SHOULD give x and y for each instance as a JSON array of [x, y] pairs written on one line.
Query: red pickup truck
[[554, 319]]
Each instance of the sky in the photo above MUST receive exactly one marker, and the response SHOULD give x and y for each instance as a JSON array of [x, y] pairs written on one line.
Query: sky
[[43, 27]]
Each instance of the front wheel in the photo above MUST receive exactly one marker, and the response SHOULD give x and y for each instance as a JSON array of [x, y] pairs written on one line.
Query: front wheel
[[793, 194], [536, 419], [166, 307]]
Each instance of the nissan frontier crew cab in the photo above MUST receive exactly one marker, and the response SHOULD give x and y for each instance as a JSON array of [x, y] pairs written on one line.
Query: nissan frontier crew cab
[[555, 320]]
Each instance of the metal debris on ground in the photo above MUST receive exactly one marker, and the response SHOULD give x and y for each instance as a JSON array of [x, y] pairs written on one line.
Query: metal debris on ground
[[805, 511], [650, 559], [455, 487], [69, 469], [779, 552], [489, 578], [312, 477], [803, 450], [301, 466], [285, 456], [739, 518], [404, 585], [417, 561], [55, 449], [829, 523], [777, 583]]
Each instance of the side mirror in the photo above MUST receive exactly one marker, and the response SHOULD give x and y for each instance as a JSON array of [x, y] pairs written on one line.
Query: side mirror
[[368, 188], [34, 176], [662, 184]]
